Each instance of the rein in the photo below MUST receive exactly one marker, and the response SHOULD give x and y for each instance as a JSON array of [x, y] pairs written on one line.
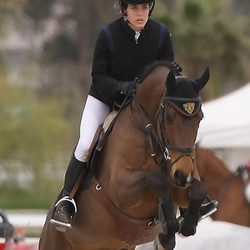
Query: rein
[[157, 135], [154, 140], [174, 101]]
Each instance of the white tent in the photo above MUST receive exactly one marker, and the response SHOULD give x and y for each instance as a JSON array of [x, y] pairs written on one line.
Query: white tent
[[226, 126], [211, 235]]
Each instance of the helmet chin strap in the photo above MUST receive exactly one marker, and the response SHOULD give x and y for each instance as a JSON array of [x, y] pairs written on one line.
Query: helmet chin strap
[[152, 7]]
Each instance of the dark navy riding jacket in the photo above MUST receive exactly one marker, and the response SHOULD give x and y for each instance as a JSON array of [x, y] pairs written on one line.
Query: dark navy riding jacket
[[121, 58]]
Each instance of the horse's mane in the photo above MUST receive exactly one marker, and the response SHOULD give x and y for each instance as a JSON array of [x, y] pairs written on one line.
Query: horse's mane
[[150, 67]]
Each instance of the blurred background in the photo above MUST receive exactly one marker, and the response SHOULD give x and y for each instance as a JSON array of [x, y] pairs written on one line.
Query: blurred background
[[46, 51]]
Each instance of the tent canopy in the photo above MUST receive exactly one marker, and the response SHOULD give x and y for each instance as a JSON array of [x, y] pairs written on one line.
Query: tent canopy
[[226, 122]]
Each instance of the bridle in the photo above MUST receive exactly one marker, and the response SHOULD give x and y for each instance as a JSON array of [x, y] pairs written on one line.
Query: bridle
[[158, 140]]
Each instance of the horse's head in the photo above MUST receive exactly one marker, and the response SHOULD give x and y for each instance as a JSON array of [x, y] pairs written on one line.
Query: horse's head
[[178, 123]]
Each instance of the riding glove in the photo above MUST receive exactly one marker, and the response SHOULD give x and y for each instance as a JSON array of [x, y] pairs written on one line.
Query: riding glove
[[127, 88]]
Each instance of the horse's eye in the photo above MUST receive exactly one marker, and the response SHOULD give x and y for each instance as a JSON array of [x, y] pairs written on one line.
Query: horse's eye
[[168, 117], [170, 114]]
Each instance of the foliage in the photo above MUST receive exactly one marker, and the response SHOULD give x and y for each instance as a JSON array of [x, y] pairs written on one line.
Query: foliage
[[38, 9], [34, 138], [6, 10], [204, 34], [61, 48]]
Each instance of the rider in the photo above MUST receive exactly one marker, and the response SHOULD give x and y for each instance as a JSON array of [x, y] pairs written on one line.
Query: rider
[[135, 43]]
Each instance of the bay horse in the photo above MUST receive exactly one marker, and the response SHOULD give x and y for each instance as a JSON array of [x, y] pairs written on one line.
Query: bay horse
[[145, 169], [224, 186]]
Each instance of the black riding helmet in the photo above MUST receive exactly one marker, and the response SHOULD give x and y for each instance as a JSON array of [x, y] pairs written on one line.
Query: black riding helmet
[[137, 1], [124, 4]]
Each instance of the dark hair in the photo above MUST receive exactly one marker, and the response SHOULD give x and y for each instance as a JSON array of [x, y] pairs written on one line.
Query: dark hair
[[124, 4], [137, 1]]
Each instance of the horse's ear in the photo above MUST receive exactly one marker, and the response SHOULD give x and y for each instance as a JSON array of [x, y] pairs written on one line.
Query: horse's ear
[[201, 82], [171, 82]]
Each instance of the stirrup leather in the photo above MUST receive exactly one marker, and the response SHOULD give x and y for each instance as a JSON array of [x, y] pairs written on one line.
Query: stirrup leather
[[62, 226]]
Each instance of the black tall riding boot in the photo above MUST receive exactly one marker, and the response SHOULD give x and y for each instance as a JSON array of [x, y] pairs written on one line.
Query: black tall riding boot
[[66, 207]]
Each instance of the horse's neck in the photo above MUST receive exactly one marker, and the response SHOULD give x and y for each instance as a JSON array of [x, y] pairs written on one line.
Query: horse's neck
[[150, 92]]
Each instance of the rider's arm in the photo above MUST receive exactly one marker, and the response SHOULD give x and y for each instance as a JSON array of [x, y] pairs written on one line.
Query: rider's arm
[[104, 87]]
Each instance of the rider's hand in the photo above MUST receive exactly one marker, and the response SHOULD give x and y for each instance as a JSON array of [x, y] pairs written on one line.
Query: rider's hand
[[127, 88]]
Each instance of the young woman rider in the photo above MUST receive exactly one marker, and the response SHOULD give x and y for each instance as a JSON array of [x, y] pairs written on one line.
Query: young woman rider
[[122, 50]]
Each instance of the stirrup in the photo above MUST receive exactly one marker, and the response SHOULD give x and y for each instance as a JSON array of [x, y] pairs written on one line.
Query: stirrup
[[215, 204], [62, 226]]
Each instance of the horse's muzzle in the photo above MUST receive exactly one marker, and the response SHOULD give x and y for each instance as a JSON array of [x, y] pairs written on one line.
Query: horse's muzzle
[[182, 180]]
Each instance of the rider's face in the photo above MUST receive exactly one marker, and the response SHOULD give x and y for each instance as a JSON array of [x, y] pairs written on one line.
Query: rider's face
[[137, 15]]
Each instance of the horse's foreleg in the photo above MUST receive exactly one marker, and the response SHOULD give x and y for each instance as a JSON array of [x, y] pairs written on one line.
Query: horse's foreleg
[[196, 194], [166, 212], [169, 222]]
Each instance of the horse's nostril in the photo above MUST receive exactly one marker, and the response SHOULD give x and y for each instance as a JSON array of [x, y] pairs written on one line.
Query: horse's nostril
[[181, 180]]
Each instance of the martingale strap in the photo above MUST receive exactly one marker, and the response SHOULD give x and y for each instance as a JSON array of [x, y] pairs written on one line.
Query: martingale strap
[[132, 230]]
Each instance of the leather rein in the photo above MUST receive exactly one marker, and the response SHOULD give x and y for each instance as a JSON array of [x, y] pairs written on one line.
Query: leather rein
[[156, 132]]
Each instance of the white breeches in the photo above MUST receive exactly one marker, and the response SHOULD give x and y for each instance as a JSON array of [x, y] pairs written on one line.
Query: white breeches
[[94, 114]]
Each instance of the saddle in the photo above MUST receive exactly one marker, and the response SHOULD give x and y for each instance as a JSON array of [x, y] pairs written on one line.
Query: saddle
[[97, 145], [100, 139]]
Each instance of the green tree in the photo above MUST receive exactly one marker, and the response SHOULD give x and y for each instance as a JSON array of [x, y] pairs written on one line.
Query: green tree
[[208, 33], [35, 140]]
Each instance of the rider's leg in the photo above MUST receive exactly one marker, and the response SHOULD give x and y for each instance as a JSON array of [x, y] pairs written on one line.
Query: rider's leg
[[93, 115], [65, 207]]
